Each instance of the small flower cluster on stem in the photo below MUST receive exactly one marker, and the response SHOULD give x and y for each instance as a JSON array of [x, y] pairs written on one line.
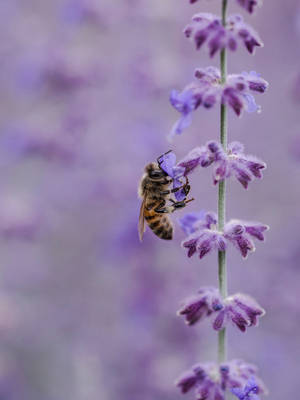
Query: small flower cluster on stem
[[208, 231]]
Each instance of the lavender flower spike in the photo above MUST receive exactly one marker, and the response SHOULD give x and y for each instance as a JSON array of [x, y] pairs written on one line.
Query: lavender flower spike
[[205, 236], [203, 304], [208, 91], [208, 28]]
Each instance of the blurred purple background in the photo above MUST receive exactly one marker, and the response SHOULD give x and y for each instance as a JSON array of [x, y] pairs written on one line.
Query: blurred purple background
[[86, 311]]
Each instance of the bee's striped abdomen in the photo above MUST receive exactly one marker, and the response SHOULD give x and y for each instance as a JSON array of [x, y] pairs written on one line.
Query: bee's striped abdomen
[[160, 224]]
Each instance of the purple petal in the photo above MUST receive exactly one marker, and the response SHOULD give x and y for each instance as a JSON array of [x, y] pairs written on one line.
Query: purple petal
[[167, 163], [179, 126], [241, 173], [231, 97], [256, 230], [251, 105], [245, 245], [255, 166], [220, 320], [191, 245], [238, 319], [187, 381], [180, 194]]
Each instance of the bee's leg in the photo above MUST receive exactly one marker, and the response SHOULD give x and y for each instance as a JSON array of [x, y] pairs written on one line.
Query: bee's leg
[[158, 159], [173, 207], [186, 188], [161, 207], [179, 204]]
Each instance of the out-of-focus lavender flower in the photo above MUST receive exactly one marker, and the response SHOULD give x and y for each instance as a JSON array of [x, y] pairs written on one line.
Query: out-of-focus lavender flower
[[62, 77], [249, 392], [210, 381], [201, 305], [248, 5], [239, 309], [231, 163], [208, 28], [77, 11], [58, 147], [208, 90], [242, 310], [188, 222], [205, 236], [18, 218]]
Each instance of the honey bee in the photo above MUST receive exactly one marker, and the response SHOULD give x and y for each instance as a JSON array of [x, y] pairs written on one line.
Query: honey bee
[[154, 192]]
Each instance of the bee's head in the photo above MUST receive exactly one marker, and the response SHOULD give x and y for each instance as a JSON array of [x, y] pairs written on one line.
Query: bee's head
[[154, 171]]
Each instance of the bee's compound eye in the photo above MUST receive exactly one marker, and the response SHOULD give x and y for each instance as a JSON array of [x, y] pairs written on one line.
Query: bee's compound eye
[[156, 174]]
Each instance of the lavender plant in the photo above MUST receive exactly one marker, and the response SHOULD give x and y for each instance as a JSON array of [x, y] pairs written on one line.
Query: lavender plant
[[208, 231]]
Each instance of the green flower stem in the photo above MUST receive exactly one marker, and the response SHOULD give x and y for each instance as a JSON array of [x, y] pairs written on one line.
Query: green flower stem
[[221, 198]]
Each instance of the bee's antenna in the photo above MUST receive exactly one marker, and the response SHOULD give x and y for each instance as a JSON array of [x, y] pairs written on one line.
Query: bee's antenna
[[158, 159]]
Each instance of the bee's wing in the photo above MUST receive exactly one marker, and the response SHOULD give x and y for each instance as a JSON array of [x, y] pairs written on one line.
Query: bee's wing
[[142, 220]]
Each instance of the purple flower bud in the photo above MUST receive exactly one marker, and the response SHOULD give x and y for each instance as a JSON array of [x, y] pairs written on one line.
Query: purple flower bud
[[249, 306], [249, 5], [243, 240], [220, 320], [221, 172], [191, 244], [256, 230], [206, 302], [234, 100], [187, 381], [245, 32], [255, 82], [208, 75], [241, 173]]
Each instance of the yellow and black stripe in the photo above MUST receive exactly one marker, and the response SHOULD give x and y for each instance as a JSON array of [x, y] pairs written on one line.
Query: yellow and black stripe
[[159, 224]]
